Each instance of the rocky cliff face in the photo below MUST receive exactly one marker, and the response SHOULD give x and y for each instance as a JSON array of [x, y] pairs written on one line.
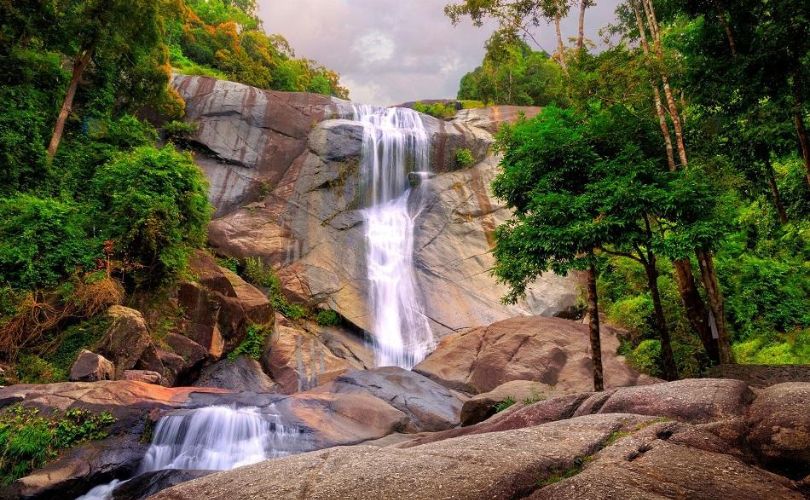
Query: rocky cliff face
[[284, 172]]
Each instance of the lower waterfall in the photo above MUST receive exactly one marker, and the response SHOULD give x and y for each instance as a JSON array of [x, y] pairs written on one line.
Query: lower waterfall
[[212, 438]]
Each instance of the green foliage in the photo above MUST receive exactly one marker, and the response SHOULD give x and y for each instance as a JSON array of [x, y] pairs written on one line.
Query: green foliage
[[229, 263], [512, 73], [28, 440], [775, 349], [464, 157], [32, 369], [156, 208], [261, 275], [440, 110], [253, 345], [646, 357], [177, 129], [225, 40], [43, 240], [328, 317], [503, 405]]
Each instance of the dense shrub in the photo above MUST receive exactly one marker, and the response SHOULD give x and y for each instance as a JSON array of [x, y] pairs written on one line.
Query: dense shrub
[[261, 275], [440, 110], [464, 157], [328, 317], [155, 210], [253, 345], [43, 241], [28, 440]]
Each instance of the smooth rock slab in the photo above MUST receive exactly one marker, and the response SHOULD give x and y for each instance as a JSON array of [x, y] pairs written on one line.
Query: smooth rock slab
[[429, 406], [690, 400], [501, 465], [779, 420], [645, 466]]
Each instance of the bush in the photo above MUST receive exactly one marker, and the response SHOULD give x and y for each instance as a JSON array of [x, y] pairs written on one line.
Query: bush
[[328, 317], [646, 357], [253, 345], [155, 209], [440, 110], [787, 349], [43, 241], [259, 274], [28, 440], [464, 157]]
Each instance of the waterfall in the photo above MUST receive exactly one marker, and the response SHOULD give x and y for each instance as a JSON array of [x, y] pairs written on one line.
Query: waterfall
[[395, 143], [213, 438]]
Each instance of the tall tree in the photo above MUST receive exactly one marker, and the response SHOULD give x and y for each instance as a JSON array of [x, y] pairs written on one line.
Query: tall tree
[[546, 163], [123, 27]]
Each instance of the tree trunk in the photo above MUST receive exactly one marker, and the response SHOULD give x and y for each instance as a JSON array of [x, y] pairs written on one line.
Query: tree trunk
[[695, 308], [798, 120], [667, 356], [659, 107], [732, 44], [671, 104], [717, 319], [583, 4], [593, 326], [560, 44], [79, 65], [777, 197]]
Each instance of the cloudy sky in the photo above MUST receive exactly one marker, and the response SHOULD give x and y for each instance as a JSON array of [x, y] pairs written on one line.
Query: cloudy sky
[[392, 51]]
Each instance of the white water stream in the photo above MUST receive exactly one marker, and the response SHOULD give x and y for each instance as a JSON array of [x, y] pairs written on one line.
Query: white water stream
[[212, 438], [395, 143]]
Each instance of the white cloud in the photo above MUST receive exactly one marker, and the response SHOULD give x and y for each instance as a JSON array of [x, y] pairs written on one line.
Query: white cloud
[[374, 46]]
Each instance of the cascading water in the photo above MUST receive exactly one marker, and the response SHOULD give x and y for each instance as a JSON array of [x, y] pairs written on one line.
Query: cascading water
[[395, 143], [212, 438]]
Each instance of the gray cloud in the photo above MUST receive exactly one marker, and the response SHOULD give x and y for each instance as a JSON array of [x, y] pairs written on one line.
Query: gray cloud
[[392, 51]]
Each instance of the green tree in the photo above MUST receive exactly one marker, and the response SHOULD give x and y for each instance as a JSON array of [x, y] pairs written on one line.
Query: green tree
[[155, 209], [97, 28]]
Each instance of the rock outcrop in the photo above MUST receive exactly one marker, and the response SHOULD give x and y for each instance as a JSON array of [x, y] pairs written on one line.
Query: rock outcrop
[[428, 405], [298, 360], [552, 351], [243, 374], [482, 406], [91, 367], [564, 447], [284, 172]]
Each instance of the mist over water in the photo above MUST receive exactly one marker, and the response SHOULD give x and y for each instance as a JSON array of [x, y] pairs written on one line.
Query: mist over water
[[395, 143]]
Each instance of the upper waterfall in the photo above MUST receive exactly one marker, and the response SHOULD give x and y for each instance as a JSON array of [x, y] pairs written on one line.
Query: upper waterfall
[[395, 143]]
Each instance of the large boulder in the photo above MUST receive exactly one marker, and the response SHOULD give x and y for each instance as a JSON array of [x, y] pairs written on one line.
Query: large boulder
[[220, 306], [91, 367], [429, 406], [779, 419], [552, 351], [648, 464], [298, 360], [241, 374], [127, 339]]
